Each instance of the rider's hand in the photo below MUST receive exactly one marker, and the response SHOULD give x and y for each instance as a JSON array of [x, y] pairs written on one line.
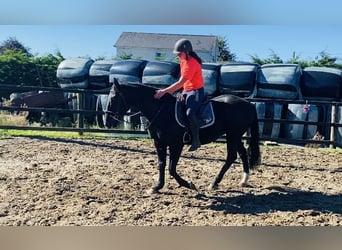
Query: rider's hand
[[159, 93]]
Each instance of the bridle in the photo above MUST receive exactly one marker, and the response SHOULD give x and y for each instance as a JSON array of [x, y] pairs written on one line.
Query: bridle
[[116, 115], [155, 116], [122, 99]]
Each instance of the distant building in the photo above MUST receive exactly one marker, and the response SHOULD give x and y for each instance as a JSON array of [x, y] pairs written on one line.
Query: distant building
[[156, 46]]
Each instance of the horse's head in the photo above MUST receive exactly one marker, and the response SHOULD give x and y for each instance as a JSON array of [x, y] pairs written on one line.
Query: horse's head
[[117, 105]]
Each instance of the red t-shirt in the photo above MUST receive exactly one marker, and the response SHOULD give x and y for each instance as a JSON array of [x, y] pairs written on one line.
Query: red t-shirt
[[192, 71]]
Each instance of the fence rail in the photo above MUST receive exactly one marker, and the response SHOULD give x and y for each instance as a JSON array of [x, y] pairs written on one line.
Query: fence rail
[[81, 112]]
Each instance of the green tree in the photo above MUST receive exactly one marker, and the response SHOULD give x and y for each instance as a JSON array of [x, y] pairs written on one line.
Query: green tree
[[160, 58], [224, 52], [16, 68], [13, 44], [125, 56], [19, 67], [46, 69], [322, 60], [274, 58]]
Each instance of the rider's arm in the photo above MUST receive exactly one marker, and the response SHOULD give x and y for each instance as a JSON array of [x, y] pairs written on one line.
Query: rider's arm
[[172, 88]]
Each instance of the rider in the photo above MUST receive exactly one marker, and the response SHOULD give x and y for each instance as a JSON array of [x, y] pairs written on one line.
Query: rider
[[191, 80]]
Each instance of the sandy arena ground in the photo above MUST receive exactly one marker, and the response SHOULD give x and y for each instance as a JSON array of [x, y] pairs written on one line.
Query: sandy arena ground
[[46, 181]]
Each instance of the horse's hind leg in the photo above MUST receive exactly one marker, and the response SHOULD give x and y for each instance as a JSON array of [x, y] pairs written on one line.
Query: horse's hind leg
[[244, 158], [232, 146]]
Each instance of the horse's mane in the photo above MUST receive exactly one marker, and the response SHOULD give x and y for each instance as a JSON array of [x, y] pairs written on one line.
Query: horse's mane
[[147, 89], [139, 85]]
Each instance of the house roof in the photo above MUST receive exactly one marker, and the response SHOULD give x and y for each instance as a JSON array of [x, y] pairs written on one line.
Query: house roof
[[164, 41]]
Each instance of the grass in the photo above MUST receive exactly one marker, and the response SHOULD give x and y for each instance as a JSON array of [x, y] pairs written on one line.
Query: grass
[[8, 119], [65, 134], [34, 133]]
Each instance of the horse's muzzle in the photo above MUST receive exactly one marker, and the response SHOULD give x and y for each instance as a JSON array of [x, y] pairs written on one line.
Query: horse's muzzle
[[111, 120]]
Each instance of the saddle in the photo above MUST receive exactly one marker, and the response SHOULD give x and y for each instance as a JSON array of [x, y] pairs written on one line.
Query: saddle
[[205, 115]]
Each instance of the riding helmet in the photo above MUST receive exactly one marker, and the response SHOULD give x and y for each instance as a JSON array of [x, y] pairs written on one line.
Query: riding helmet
[[182, 45]]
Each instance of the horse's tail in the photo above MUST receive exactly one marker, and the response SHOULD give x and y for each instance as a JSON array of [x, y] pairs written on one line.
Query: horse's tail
[[253, 148]]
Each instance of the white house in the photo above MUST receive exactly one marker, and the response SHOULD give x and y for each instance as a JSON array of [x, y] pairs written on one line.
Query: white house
[[156, 46]]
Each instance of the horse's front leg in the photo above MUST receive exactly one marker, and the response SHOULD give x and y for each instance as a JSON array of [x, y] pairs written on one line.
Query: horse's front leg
[[161, 153], [175, 152]]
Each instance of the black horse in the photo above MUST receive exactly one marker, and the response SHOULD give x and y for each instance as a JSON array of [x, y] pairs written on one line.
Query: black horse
[[233, 117]]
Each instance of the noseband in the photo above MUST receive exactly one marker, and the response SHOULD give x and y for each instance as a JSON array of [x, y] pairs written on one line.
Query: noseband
[[115, 115], [122, 99]]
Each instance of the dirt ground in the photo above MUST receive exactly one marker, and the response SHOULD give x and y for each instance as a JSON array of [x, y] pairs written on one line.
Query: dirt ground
[[46, 181]]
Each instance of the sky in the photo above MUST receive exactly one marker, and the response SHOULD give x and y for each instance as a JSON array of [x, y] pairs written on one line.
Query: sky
[[89, 28], [94, 41], [132, 12]]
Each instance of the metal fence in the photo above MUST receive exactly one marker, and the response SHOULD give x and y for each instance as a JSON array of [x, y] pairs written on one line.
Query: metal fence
[[81, 127]]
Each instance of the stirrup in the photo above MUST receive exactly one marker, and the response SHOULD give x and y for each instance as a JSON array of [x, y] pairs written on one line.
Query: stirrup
[[186, 138]]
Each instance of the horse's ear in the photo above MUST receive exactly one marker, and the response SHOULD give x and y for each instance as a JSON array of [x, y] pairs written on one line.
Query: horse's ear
[[116, 84]]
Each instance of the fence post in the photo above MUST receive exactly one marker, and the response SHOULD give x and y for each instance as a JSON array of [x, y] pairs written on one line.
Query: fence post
[[80, 116], [333, 131]]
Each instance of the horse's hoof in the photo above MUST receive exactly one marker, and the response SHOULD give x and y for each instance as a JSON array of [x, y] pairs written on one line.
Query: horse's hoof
[[152, 191], [192, 186], [213, 187], [244, 184]]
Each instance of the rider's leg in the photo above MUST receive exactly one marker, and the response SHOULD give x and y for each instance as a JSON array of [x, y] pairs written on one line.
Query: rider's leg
[[193, 102]]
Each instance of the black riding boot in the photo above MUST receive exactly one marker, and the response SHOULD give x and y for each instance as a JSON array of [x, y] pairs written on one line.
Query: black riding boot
[[194, 127]]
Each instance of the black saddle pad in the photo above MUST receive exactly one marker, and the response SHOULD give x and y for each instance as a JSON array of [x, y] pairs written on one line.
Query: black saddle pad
[[206, 115]]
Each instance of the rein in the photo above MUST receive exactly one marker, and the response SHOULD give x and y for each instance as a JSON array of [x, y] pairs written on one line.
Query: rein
[[115, 116], [123, 99], [155, 116]]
